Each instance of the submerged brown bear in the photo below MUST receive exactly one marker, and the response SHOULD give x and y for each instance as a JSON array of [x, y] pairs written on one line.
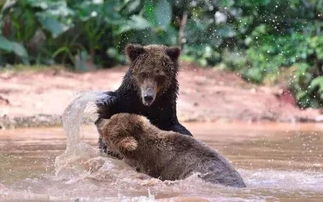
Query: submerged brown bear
[[164, 154]]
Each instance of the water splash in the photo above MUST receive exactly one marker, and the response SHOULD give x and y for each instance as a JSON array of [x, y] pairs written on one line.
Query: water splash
[[74, 115], [80, 109], [82, 168], [81, 162], [82, 174]]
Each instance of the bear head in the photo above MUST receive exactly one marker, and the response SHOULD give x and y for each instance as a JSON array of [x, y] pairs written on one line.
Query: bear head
[[121, 132], [153, 68]]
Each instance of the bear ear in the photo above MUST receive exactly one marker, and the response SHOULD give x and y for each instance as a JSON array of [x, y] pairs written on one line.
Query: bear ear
[[133, 51], [136, 122], [128, 144], [173, 52]]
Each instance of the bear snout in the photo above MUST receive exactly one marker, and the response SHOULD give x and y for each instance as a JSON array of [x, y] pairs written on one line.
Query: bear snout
[[148, 96]]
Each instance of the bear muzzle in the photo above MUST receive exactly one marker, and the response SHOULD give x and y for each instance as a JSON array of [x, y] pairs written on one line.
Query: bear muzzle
[[148, 92]]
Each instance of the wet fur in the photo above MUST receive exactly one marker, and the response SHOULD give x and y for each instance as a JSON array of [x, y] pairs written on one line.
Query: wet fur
[[153, 59], [164, 154]]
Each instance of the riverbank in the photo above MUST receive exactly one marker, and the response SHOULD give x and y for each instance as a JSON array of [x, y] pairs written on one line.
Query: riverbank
[[38, 98]]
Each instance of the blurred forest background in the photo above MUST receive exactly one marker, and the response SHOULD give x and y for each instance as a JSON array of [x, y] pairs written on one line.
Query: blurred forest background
[[259, 39]]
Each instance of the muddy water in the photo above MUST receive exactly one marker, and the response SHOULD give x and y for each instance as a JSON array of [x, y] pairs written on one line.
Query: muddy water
[[277, 161]]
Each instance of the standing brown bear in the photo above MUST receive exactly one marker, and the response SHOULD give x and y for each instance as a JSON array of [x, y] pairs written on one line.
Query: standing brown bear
[[149, 88], [164, 154]]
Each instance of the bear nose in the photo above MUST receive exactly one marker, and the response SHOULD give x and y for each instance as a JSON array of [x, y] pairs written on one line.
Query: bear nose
[[148, 98]]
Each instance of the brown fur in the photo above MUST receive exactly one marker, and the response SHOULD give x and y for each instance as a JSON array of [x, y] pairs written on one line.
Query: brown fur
[[153, 67], [163, 154], [149, 88]]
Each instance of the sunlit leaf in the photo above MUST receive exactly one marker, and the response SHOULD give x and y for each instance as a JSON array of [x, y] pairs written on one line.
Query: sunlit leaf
[[317, 83], [136, 23], [163, 13], [52, 25], [132, 7]]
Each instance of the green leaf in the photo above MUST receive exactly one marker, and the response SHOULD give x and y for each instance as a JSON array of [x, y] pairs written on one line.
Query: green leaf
[[38, 3], [14, 47], [5, 44], [136, 23], [225, 3], [226, 31], [132, 7], [51, 24], [19, 50], [163, 13], [317, 83], [149, 11]]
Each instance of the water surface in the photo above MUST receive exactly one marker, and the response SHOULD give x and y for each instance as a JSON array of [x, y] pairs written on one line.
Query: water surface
[[277, 162]]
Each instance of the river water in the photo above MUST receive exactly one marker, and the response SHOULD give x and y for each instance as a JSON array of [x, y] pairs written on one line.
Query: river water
[[277, 161]]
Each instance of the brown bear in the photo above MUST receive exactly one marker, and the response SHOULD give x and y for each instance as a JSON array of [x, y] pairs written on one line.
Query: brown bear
[[149, 88], [164, 154]]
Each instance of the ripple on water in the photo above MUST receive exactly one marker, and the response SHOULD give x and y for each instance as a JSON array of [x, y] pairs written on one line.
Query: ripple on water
[[82, 173], [284, 180], [92, 177]]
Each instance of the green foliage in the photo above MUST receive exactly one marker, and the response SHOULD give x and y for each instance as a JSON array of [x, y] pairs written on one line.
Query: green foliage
[[253, 37], [13, 47], [257, 38], [308, 80], [308, 86], [69, 31]]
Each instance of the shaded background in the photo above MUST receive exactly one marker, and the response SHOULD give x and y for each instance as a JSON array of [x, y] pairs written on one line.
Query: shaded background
[[262, 40]]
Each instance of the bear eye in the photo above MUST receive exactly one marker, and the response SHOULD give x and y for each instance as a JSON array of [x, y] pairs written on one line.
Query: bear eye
[[143, 75], [160, 78]]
